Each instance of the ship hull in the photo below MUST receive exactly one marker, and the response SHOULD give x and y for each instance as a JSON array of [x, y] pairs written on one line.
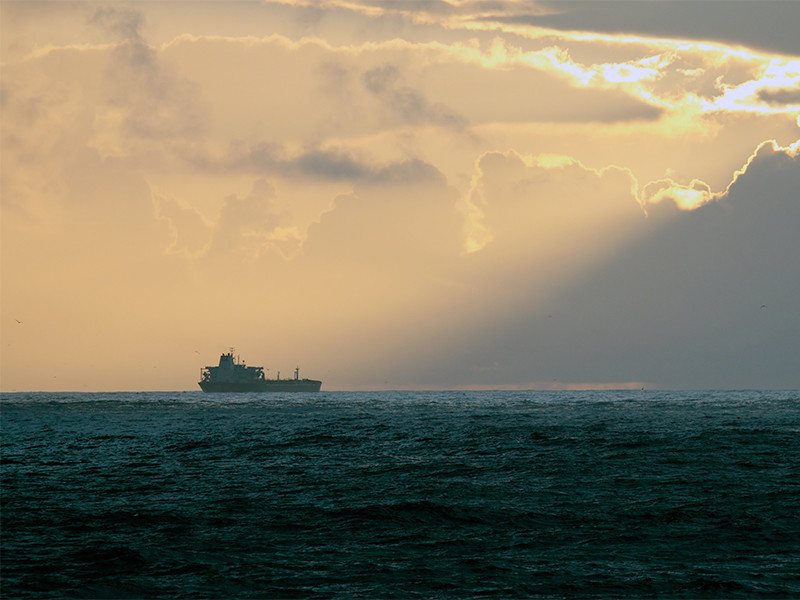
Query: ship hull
[[263, 385]]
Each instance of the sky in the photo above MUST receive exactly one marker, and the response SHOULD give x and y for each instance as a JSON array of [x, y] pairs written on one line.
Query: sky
[[440, 194]]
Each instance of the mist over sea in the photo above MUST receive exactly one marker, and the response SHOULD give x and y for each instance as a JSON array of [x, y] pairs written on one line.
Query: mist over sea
[[401, 494]]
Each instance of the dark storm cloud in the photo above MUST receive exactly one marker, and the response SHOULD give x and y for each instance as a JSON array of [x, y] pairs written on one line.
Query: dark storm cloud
[[686, 303], [769, 25], [707, 300]]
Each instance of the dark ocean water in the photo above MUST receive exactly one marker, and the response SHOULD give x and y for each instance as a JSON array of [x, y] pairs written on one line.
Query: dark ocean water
[[401, 495]]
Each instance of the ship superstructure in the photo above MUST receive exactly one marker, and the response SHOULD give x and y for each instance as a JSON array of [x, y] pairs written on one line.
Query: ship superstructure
[[231, 375]]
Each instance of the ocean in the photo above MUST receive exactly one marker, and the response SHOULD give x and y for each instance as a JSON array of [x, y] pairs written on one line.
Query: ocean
[[612, 494]]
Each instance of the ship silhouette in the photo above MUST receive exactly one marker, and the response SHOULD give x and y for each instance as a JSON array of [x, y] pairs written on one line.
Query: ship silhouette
[[234, 376]]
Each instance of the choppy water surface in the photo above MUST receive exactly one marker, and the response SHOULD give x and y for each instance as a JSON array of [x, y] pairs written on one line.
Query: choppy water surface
[[374, 495]]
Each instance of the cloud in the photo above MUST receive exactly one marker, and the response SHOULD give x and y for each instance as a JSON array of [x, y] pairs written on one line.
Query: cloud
[[685, 197], [123, 22], [412, 171], [780, 96], [535, 88], [190, 233], [698, 193], [345, 94], [538, 225], [773, 168], [315, 163], [676, 63], [406, 104], [748, 24], [752, 24], [430, 11], [687, 301], [678, 307], [766, 151], [426, 193], [678, 78], [155, 102], [250, 227], [541, 204], [402, 219], [318, 164]]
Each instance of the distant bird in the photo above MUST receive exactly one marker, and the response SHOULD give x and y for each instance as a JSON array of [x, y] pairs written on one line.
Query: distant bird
[[763, 306], [18, 321]]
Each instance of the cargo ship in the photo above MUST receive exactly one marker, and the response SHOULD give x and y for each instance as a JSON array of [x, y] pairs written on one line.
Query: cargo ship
[[234, 376]]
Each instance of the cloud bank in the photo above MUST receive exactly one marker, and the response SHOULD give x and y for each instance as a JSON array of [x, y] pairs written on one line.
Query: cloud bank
[[462, 194]]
